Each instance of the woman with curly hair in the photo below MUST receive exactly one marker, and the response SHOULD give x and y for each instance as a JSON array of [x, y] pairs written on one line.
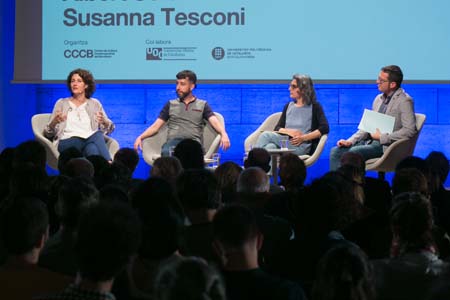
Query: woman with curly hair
[[79, 121]]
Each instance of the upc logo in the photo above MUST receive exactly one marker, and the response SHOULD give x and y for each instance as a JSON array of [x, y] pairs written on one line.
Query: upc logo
[[154, 53]]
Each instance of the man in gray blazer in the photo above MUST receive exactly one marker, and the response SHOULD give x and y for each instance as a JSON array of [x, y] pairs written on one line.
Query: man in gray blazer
[[392, 101]]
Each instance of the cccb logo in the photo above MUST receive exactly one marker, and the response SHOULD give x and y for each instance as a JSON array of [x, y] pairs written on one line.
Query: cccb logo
[[79, 53]]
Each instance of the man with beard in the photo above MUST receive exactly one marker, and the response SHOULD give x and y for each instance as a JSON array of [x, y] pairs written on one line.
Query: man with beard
[[185, 117]]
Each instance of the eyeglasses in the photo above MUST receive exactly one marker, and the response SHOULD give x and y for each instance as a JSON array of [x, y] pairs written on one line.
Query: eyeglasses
[[381, 80], [293, 86]]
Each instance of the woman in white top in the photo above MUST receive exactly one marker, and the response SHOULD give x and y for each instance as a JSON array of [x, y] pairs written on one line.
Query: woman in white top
[[79, 121]]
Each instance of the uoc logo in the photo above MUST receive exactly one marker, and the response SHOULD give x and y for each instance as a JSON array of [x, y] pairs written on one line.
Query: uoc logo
[[154, 53], [218, 53], [78, 53]]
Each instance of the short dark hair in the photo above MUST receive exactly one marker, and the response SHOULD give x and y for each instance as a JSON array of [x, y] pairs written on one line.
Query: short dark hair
[[23, 223], [190, 154], [190, 75], [75, 196], [258, 157], [198, 189], [128, 157], [395, 74], [88, 79], [30, 152], [439, 165], [67, 155], [161, 216], [292, 171], [234, 225], [108, 235]]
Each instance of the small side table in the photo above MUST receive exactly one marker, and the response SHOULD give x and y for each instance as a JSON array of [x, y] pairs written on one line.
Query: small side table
[[274, 156]]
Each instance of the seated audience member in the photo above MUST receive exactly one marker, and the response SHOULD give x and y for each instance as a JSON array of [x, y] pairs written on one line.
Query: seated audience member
[[292, 172], [24, 230], [409, 180], [115, 174], [56, 182], [161, 234], [237, 241], [440, 196], [127, 157], [372, 232], [414, 266], [6, 166], [167, 168], [190, 154], [189, 279], [413, 180], [67, 155], [112, 192], [108, 235], [199, 196], [29, 180], [260, 157], [78, 167], [30, 152], [253, 192], [328, 206], [227, 175], [344, 273], [75, 196]]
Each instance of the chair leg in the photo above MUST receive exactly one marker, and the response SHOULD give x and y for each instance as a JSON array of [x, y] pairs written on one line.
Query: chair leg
[[381, 175]]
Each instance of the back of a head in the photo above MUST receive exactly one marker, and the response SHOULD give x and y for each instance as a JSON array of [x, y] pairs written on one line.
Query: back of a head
[[31, 152], [344, 273], [409, 180], [329, 204], [292, 171], [23, 224], [439, 165], [79, 166], [28, 179], [258, 157], [189, 279], [411, 221], [190, 154], [198, 189], [253, 180], [161, 218], [75, 196], [67, 155], [414, 162], [234, 226], [108, 235], [227, 174], [127, 157], [354, 159], [166, 167]]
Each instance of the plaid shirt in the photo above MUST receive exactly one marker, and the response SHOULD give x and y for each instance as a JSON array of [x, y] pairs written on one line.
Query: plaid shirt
[[74, 292]]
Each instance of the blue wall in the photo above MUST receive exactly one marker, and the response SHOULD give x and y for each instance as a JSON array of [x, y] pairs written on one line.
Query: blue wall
[[134, 107]]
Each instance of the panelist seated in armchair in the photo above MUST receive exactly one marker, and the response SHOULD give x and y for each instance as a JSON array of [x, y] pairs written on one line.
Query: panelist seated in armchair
[[302, 120], [79, 121], [392, 101], [185, 117]]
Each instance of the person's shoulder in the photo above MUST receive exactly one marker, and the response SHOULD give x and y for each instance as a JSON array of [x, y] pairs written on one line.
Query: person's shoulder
[[93, 100]]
